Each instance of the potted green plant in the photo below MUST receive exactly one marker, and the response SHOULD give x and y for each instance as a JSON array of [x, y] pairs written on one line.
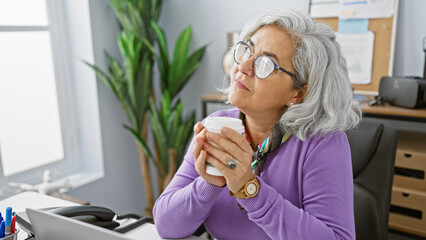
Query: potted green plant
[[172, 131], [131, 80]]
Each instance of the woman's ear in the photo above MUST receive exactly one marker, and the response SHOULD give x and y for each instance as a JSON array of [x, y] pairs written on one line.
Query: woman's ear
[[299, 96]]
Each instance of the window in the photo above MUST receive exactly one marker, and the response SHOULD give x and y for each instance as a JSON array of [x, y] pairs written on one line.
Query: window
[[41, 110]]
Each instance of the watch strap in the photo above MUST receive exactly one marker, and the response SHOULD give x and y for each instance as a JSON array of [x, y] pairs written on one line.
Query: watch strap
[[242, 194]]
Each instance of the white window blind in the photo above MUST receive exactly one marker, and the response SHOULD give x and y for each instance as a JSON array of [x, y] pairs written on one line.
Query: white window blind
[[23, 13], [30, 128], [49, 117]]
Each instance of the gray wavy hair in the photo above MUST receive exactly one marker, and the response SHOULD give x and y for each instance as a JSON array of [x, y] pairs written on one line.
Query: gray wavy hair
[[328, 102]]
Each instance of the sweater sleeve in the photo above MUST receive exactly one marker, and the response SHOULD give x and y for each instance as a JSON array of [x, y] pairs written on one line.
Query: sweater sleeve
[[327, 202], [186, 201]]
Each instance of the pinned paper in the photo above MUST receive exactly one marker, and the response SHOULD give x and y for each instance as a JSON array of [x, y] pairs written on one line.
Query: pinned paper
[[353, 25], [360, 9], [348, 12], [324, 8], [358, 51], [353, 2], [352, 9]]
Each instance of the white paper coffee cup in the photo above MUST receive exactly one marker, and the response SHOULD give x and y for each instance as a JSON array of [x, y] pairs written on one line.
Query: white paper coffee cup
[[215, 124]]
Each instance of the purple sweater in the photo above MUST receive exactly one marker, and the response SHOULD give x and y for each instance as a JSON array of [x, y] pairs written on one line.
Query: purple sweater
[[306, 192]]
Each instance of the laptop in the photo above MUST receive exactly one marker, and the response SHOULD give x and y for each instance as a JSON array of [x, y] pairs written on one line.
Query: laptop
[[50, 226]]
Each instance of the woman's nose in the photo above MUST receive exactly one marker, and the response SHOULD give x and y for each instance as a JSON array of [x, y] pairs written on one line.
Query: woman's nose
[[246, 67]]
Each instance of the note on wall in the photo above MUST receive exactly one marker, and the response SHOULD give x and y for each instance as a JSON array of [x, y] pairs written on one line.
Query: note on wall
[[357, 9], [353, 25], [358, 51], [352, 9], [324, 8]]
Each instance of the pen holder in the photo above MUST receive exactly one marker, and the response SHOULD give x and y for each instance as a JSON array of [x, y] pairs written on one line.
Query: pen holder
[[13, 236]]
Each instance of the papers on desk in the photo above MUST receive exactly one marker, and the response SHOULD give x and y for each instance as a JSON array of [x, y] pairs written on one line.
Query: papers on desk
[[358, 51], [352, 9]]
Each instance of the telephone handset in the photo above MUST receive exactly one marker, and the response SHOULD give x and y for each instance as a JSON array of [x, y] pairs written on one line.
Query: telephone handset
[[99, 216]]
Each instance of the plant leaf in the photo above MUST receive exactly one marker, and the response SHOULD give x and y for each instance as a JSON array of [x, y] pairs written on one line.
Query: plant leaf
[[103, 77], [180, 57], [160, 136], [166, 103], [142, 143], [143, 88], [186, 135], [164, 63]]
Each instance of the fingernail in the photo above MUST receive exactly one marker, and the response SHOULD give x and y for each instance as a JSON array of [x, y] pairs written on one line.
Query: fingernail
[[224, 130]]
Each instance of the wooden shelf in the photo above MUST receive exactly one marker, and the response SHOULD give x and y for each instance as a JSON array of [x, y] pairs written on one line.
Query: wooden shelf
[[388, 109]]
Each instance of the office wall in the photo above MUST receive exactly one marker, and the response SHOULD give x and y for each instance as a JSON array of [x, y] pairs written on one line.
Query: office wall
[[122, 187], [409, 55]]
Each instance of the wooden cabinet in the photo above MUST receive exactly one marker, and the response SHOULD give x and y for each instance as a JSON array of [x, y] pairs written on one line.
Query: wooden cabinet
[[408, 204]]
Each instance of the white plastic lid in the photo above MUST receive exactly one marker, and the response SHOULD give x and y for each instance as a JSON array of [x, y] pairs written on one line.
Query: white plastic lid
[[215, 124]]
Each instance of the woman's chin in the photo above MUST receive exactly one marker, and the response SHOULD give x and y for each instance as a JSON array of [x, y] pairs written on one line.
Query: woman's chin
[[235, 100]]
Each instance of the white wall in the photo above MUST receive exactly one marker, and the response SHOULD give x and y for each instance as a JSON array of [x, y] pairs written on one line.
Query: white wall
[[411, 29], [122, 188]]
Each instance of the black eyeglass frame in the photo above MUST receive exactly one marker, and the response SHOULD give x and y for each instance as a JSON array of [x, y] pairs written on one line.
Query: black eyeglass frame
[[275, 65]]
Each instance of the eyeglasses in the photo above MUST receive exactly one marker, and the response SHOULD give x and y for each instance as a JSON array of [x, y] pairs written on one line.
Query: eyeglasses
[[263, 66]]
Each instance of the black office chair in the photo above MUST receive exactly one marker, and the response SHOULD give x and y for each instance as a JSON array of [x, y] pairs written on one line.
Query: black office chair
[[373, 148]]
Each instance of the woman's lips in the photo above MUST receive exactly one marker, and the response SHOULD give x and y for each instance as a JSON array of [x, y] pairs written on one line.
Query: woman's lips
[[241, 85]]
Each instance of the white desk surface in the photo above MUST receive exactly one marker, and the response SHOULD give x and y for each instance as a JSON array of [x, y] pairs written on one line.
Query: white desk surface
[[21, 201]]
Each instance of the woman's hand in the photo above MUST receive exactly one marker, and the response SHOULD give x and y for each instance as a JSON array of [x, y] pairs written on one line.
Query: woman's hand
[[200, 156], [234, 146]]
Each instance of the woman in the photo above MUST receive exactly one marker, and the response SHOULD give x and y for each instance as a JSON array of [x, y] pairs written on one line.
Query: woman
[[291, 175]]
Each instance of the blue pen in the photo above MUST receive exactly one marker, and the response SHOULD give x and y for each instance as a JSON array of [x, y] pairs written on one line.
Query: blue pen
[[8, 221], [2, 229]]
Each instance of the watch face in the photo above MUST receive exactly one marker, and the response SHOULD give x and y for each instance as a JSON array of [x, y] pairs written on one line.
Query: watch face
[[251, 189]]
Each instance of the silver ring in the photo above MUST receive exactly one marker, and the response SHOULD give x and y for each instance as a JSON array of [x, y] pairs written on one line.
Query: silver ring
[[232, 164]]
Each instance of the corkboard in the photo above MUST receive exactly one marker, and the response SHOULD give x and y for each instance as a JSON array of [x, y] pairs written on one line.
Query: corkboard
[[382, 29]]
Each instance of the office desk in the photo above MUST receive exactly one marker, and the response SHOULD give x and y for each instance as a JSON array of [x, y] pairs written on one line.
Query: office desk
[[24, 200]]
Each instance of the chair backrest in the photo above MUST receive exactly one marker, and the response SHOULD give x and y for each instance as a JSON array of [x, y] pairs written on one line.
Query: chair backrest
[[373, 148]]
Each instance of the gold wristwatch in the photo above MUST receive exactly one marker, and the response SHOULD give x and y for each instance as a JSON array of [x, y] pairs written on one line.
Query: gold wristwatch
[[249, 190]]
